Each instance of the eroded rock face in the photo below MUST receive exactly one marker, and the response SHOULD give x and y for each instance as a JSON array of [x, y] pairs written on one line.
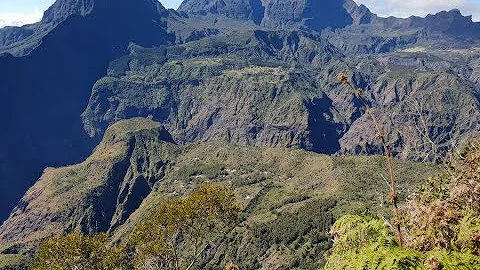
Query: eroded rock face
[[280, 89], [277, 14], [98, 194], [63, 9], [310, 14], [236, 9], [218, 98]]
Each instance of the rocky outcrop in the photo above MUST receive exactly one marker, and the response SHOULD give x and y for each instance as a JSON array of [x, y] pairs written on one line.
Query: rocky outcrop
[[205, 98], [236, 9], [205, 94], [276, 14], [310, 14], [98, 194], [423, 116]]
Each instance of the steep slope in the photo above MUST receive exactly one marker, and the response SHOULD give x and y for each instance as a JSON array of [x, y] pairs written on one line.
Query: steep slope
[[21, 40], [280, 89], [234, 92], [98, 193], [136, 167], [43, 94], [285, 14], [236, 9]]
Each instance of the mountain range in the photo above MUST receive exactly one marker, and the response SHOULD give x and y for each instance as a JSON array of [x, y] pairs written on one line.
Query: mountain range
[[246, 73]]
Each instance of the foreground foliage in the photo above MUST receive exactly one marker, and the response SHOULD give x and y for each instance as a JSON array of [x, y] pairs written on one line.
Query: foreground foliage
[[366, 242], [184, 226], [75, 251], [173, 237], [441, 224]]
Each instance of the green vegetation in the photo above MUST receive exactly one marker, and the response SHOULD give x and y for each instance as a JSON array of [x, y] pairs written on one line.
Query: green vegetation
[[13, 262], [75, 251], [304, 232], [173, 237], [194, 220], [367, 242], [441, 224], [287, 198]]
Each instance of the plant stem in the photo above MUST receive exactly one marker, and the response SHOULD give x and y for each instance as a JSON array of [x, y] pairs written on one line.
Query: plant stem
[[388, 154]]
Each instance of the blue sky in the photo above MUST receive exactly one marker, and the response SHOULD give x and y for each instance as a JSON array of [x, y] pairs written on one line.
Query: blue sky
[[18, 12]]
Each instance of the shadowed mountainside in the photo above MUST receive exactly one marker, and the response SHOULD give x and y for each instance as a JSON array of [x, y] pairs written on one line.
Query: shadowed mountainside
[[43, 93]]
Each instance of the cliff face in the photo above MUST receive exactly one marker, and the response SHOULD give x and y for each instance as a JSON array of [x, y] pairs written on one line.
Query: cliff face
[[280, 89], [223, 97], [98, 194], [313, 15]]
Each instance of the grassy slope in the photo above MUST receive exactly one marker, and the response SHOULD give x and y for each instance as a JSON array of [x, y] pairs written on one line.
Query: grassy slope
[[281, 190]]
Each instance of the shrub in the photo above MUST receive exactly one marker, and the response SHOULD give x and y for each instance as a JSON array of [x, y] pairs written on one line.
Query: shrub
[[441, 224]]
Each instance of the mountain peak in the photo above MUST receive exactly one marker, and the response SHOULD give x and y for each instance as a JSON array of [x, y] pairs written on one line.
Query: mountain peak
[[312, 14], [21, 40], [236, 9], [62, 9]]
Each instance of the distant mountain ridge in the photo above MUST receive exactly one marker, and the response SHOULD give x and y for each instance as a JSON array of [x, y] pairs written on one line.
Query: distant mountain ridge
[[316, 16], [21, 40], [270, 14]]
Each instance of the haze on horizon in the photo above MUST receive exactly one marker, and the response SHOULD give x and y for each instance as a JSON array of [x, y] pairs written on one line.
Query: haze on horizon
[[20, 12]]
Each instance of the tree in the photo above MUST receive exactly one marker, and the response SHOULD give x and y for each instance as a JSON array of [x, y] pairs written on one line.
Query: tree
[[75, 251], [180, 231]]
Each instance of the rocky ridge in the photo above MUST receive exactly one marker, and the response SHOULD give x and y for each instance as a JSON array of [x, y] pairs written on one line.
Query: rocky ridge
[[280, 89]]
